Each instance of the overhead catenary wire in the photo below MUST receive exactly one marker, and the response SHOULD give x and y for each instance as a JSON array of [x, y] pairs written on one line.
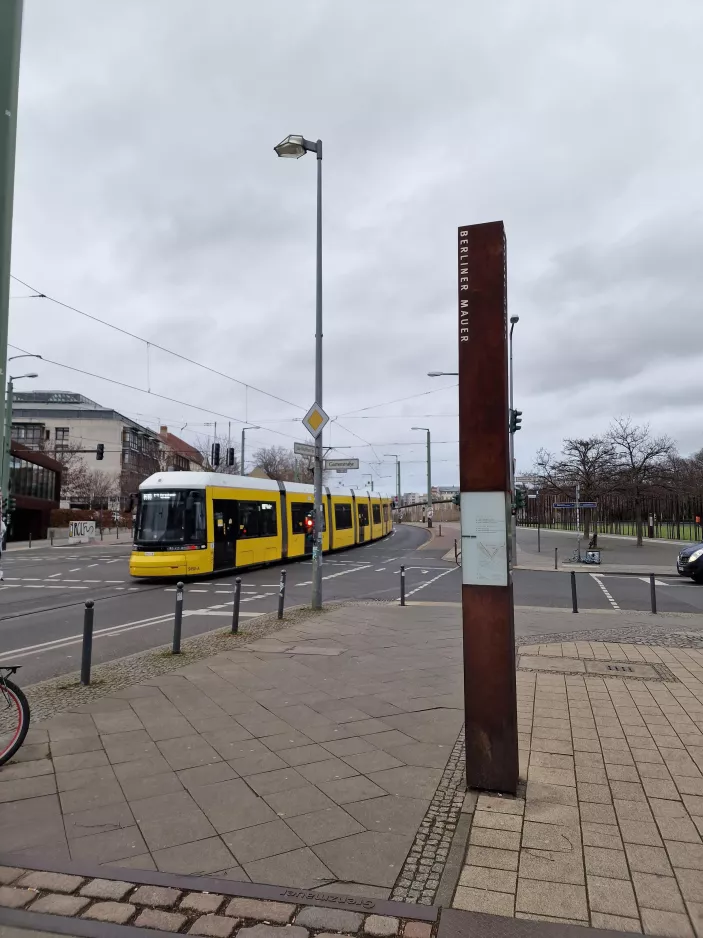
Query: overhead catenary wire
[[45, 296], [133, 387]]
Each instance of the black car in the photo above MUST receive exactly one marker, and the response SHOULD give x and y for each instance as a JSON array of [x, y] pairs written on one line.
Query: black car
[[690, 562]]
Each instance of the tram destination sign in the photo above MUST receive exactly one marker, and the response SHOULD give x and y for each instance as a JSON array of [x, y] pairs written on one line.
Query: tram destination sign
[[341, 464]]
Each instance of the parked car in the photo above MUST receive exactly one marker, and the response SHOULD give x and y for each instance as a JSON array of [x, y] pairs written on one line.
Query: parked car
[[690, 562]]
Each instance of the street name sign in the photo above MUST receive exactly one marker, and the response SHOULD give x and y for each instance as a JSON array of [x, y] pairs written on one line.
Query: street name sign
[[341, 464], [315, 420], [303, 449]]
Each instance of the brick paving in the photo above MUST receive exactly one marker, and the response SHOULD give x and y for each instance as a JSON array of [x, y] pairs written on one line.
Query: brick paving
[[609, 829]]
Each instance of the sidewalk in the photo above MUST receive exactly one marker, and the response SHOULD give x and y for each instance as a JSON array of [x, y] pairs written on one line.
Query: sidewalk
[[527, 560], [109, 539], [327, 759]]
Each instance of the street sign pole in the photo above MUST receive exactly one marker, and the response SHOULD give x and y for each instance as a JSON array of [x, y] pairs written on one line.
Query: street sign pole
[[10, 32], [490, 693]]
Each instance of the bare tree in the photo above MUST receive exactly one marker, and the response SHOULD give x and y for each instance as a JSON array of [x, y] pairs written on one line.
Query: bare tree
[[642, 462], [589, 463], [102, 486], [277, 462]]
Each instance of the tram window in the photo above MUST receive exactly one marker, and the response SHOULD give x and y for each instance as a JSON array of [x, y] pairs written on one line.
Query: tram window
[[376, 514], [385, 512], [257, 519], [299, 511], [363, 514], [343, 517]]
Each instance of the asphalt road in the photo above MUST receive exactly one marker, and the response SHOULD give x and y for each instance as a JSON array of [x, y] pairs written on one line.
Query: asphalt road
[[42, 598], [620, 550]]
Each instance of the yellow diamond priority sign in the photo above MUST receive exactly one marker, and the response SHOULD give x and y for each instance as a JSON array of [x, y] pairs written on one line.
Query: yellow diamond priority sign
[[315, 420]]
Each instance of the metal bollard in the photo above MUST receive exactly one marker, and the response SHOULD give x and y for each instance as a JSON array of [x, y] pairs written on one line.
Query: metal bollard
[[118, 530], [402, 586], [556, 558], [87, 642], [440, 529], [574, 598], [456, 552], [281, 594], [101, 533], [177, 620], [653, 592], [51, 538], [30, 538], [235, 607]]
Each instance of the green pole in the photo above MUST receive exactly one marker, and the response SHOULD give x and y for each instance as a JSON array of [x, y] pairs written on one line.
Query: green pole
[[10, 32], [7, 442]]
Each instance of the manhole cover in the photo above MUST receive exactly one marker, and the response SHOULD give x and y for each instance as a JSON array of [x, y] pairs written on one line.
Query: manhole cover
[[621, 669], [631, 669]]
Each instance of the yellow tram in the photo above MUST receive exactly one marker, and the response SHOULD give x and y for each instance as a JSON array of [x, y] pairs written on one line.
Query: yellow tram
[[193, 523]]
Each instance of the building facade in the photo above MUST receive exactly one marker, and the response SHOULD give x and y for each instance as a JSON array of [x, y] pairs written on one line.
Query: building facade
[[35, 485], [178, 455], [69, 427]]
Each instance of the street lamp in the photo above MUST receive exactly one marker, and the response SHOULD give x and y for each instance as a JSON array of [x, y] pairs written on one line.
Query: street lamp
[[397, 474], [294, 146], [513, 515], [244, 430], [429, 476], [7, 442], [442, 374]]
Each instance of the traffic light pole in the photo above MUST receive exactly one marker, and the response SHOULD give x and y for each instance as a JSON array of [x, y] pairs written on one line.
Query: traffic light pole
[[511, 421], [10, 32], [7, 444]]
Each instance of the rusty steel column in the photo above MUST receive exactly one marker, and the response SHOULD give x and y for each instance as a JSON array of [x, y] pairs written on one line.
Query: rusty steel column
[[490, 696]]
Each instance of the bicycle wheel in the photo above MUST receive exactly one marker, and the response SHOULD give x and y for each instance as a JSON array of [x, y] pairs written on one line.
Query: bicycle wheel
[[14, 719]]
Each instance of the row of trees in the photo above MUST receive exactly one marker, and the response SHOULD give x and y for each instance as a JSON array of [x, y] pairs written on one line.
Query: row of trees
[[627, 469]]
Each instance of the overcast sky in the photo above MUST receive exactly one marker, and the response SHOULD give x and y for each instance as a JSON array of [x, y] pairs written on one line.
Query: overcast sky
[[148, 194]]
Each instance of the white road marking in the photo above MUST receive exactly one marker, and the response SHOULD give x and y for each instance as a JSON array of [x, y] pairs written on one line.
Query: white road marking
[[114, 561], [428, 582], [114, 581], [35, 586], [379, 570], [304, 583], [75, 570], [92, 581], [53, 576], [645, 579], [29, 579], [92, 565], [607, 594]]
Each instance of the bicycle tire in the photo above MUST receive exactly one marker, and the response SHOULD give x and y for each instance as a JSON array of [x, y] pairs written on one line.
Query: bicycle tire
[[19, 701]]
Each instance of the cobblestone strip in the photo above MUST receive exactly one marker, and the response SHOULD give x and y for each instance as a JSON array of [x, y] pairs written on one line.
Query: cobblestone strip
[[199, 913], [638, 634], [419, 879]]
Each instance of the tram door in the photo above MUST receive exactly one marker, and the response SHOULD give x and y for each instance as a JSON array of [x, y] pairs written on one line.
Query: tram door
[[225, 516]]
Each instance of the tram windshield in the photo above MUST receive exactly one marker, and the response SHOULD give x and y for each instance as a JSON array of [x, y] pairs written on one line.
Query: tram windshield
[[171, 518]]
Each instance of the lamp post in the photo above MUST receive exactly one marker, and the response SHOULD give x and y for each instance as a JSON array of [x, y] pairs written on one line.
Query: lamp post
[[442, 374], [293, 147], [397, 475], [244, 430], [429, 476], [513, 514], [7, 441]]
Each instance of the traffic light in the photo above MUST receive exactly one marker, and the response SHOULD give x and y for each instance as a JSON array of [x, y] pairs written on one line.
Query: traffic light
[[515, 420], [230, 456], [11, 503], [216, 454], [519, 499], [457, 498], [100, 451]]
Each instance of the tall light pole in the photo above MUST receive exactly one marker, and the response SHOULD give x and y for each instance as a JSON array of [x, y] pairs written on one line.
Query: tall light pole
[[397, 475], [442, 374], [429, 476], [7, 440], [295, 146], [10, 32], [513, 515], [244, 430]]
